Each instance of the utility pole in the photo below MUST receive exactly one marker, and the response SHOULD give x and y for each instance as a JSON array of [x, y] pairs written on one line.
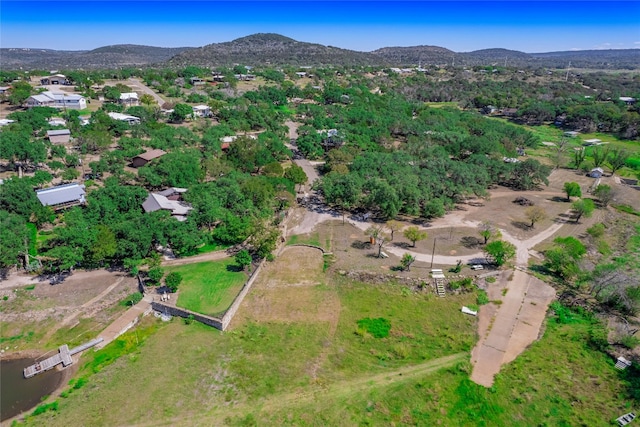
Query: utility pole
[[433, 253]]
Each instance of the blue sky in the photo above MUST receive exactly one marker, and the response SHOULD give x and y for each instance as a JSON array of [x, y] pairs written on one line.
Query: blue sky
[[462, 26]]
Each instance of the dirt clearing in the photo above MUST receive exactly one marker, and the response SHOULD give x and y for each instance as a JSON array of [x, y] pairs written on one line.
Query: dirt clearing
[[291, 289]]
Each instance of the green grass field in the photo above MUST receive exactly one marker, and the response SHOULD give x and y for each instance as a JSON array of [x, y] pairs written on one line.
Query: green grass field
[[260, 373], [209, 287]]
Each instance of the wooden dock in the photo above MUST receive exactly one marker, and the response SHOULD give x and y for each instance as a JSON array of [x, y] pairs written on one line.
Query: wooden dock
[[63, 356]]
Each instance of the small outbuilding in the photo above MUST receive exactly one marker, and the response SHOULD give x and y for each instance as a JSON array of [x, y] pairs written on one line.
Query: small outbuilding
[[146, 157], [596, 173], [61, 136]]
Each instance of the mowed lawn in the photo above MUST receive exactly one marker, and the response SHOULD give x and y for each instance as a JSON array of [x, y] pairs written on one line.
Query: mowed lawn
[[209, 287]]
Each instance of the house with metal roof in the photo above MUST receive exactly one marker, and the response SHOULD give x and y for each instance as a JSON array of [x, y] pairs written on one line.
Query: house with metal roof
[[57, 100], [132, 120], [172, 203], [56, 79], [61, 136], [62, 196], [146, 157]]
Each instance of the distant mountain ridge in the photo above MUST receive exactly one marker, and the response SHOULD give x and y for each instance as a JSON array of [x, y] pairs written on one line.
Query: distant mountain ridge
[[103, 57], [275, 49]]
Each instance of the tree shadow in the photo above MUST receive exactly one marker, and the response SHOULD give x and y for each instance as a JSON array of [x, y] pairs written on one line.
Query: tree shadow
[[521, 225], [403, 245], [471, 242], [396, 268], [359, 244], [558, 199], [234, 268], [373, 255], [541, 269]]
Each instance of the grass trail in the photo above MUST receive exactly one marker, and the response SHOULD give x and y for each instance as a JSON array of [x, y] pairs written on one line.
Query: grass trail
[[321, 391]]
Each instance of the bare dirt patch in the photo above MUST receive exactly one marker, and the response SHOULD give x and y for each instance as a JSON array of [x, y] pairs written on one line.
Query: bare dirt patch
[[291, 289], [87, 298]]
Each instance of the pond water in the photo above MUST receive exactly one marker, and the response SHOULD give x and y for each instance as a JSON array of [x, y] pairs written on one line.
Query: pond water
[[19, 394]]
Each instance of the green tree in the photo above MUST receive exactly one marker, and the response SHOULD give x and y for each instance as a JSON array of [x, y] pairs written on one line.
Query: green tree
[[180, 113], [147, 99], [296, 174], [155, 274], [406, 261], [486, 230], [562, 259], [572, 189], [583, 207], [20, 91], [529, 174], [173, 280], [578, 157], [64, 258], [243, 259], [70, 174], [535, 214], [414, 234], [599, 156], [617, 159], [105, 245], [273, 169], [500, 251], [15, 238]]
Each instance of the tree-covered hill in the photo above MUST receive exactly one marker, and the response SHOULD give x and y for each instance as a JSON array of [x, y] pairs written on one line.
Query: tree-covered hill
[[275, 49], [272, 49]]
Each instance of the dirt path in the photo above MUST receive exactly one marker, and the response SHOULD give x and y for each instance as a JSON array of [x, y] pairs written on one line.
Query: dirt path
[[209, 256], [315, 393], [126, 321]]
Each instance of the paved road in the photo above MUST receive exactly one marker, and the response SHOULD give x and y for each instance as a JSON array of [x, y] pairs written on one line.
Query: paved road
[[138, 85], [512, 327]]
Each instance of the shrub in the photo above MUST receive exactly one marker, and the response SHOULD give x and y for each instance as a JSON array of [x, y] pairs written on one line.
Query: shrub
[[41, 409], [173, 280], [155, 274], [132, 299], [482, 297], [378, 327], [629, 341]]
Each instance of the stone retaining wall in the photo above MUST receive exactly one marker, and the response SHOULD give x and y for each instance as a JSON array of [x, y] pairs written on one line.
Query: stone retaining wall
[[182, 312], [218, 323], [228, 315]]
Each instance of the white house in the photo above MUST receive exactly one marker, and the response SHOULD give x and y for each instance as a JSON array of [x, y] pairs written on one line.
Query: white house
[[57, 100], [201, 111], [129, 99], [132, 120], [56, 79]]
